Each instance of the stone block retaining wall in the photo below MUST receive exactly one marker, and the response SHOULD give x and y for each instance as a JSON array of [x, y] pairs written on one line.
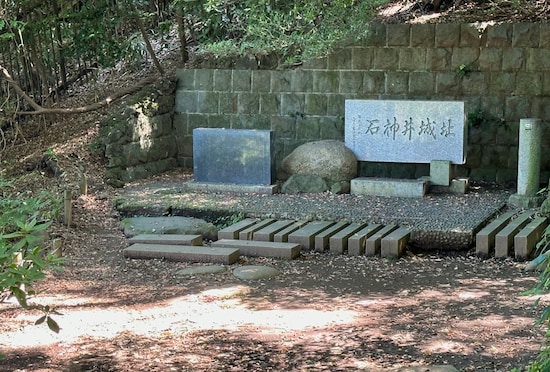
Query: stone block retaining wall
[[502, 73]]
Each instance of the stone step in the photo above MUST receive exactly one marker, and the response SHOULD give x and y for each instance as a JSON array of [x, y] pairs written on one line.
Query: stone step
[[261, 248], [305, 236], [526, 240], [232, 232], [357, 242], [190, 253], [339, 241], [168, 239], [374, 242], [282, 236], [393, 244], [267, 234], [504, 239], [322, 240], [485, 239], [248, 233]]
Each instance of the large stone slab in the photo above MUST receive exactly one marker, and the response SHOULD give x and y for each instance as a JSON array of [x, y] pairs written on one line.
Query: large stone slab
[[256, 248], [406, 131], [169, 225], [237, 156], [190, 253]]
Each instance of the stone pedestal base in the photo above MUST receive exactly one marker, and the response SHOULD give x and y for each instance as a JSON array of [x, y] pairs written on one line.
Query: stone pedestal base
[[525, 202]]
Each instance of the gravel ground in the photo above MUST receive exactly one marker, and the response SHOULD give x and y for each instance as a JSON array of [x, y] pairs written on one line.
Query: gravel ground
[[439, 220]]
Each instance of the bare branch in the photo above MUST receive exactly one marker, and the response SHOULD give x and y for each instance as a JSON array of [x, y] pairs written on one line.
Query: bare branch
[[39, 110]]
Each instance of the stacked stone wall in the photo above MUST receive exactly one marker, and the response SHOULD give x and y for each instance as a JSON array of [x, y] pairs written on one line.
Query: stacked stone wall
[[502, 72], [139, 141]]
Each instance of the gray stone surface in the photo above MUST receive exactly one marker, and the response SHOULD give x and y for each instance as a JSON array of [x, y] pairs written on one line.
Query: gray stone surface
[[529, 151], [307, 183], [198, 270], [440, 172], [255, 272], [169, 239], [237, 156], [257, 248], [169, 225], [230, 187], [329, 159], [545, 207], [406, 131], [389, 187], [189, 253]]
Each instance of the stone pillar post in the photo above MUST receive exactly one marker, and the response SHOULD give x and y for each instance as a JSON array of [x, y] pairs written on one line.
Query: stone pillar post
[[528, 165]]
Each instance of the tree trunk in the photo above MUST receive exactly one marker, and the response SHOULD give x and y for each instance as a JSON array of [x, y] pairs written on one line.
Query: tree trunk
[[38, 110], [146, 38], [181, 35]]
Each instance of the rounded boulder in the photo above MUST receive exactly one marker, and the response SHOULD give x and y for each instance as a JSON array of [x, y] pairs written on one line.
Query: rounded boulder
[[329, 159]]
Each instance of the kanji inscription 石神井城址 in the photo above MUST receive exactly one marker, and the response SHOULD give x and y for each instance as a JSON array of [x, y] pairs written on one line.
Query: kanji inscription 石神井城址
[[405, 131]]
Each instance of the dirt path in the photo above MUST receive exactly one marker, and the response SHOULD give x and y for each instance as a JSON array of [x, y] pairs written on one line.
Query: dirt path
[[322, 313]]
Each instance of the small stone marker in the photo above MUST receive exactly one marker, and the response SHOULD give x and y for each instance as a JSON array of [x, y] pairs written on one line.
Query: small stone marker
[[405, 131], [440, 172], [234, 156]]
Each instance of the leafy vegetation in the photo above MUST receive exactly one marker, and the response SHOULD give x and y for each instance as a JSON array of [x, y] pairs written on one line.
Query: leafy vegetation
[[45, 47], [23, 222], [292, 29], [542, 363]]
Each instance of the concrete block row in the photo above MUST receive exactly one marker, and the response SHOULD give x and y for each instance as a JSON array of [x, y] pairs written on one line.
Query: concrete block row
[[512, 233], [337, 237]]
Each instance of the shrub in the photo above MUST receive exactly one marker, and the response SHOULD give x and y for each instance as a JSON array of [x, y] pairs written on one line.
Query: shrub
[[542, 363], [23, 223]]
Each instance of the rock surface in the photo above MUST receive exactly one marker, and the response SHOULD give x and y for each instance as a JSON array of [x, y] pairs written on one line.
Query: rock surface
[[197, 270], [329, 159], [298, 183], [255, 272], [169, 225]]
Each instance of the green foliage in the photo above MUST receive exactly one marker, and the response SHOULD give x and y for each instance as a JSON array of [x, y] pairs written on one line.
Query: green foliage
[[542, 363], [463, 69], [293, 29], [226, 221], [481, 118], [23, 222]]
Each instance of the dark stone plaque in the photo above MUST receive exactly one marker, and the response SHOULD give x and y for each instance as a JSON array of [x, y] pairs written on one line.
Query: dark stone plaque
[[237, 156]]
